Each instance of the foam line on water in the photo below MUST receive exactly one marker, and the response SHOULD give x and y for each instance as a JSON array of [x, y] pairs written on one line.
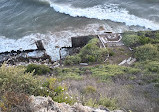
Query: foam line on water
[[105, 12], [50, 41]]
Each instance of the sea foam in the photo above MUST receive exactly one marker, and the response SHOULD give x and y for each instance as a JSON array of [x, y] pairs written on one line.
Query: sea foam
[[52, 41], [105, 12]]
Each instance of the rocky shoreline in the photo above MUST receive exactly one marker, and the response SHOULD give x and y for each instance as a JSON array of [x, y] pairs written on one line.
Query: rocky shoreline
[[39, 55]]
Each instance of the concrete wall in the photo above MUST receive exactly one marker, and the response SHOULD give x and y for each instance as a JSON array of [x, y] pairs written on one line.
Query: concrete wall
[[81, 40]]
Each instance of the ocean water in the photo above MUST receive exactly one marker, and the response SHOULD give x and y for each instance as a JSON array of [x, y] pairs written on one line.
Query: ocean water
[[22, 22]]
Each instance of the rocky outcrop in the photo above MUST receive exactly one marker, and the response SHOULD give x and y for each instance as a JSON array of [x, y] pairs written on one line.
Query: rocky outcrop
[[46, 104]]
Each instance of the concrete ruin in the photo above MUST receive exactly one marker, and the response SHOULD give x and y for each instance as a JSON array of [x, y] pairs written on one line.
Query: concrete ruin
[[25, 55], [81, 40]]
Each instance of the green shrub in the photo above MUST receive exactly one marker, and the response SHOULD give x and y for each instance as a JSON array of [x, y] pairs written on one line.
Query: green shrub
[[157, 35], [38, 69], [153, 67], [150, 70], [67, 73], [89, 53], [107, 72], [91, 102], [148, 67], [144, 40], [109, 103], [92, 53], [71, 60], [147, 52], [111, 52], [15, 80], [130, 39], [56, 91], [140, 38], [71, 75], [89, 89]]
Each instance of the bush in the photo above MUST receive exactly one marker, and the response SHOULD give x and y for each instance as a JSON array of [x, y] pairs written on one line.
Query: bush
[[144, 40], [105, 102], [16, 84], [109, 103], [89, 53], [15, 80], [157, 35], [68, 73], [91, 102], [107, 72], [89, 89], [71, 60], [147, 52], [153, 67], [92, 53], [140, 38], [148, 67], [38, 69], [150, 70], [131, 39], [57, 92]]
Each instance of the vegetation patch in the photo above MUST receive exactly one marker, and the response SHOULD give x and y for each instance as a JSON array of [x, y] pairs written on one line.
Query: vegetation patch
[[106, 72], [105, 102], [92, 53], [95, 85], [133, 39], [130, 40], [38, 69], [57, 91], [147, 52], [88, 54], [14, 79], [18, 85], [68, 73], [89, 89], [150, 70], [71, 60]]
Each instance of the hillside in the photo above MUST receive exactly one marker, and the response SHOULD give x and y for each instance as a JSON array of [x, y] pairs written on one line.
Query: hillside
[[116, 77]]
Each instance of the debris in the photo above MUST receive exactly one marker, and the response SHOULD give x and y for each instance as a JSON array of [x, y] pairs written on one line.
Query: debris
[[84, 64]]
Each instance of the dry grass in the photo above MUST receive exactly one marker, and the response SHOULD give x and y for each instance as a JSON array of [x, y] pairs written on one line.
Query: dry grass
[[120, 53], [15, 102], [137, 98]]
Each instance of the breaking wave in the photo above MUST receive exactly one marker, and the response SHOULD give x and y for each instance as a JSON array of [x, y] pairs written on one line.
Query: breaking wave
[[105, 12]]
